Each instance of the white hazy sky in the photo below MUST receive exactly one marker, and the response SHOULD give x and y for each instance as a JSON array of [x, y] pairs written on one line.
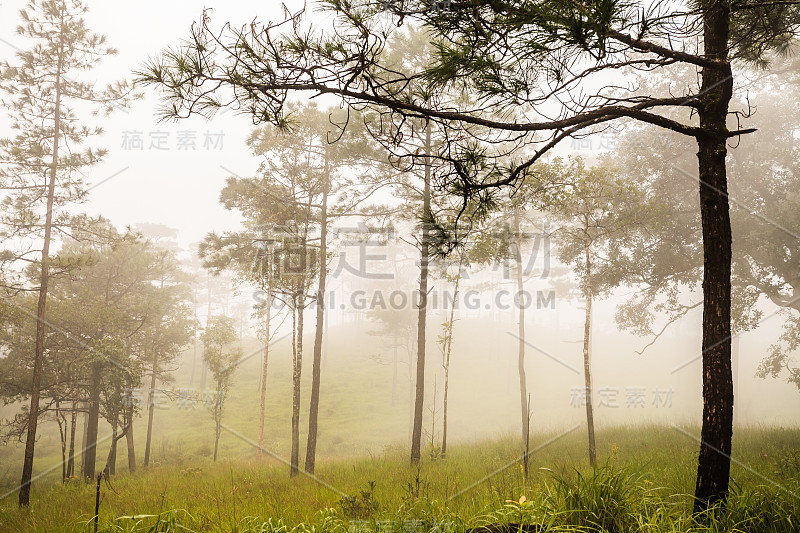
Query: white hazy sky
[[179, 188]]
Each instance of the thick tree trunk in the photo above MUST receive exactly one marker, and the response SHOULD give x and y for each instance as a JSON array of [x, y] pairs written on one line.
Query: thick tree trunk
[[316, 368], [38, 354], [523, 382], [587, 367], [267, 333], [150, 410], [90, 452], [422, 315], [713, 468]]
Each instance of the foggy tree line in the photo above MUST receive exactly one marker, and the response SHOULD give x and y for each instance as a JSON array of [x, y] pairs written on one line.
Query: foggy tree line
[[459, 140]]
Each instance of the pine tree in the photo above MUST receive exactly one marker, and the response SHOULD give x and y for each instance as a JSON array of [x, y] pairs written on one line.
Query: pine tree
[[42, 162]]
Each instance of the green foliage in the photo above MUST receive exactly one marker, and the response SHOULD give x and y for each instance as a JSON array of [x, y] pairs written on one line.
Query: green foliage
[[604, 500], [362, 506], [114, 302], [220, 332]]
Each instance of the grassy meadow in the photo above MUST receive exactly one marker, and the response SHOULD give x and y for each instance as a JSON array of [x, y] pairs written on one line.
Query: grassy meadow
[[642, 483], [364, 484]]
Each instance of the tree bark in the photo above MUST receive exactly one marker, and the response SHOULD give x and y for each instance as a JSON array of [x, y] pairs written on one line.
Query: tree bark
[[447, 350], [38, 357], [129, 442], [419, 398], [297, 370], [71, 457], [150, 410], [316, 368], [587, 367], [111, 462], [84, 436], [62, 433], [90, 452], [218, 419], [713, 467], [112, 451], [267, 332], [523, 381]]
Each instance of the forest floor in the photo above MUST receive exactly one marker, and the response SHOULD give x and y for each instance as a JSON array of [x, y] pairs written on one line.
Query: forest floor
[[643, 482]]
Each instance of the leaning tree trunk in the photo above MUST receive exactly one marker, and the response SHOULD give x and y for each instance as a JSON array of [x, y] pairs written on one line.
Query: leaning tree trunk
[[523, 382], [111, 463], [38, 354], [587, 367], [419, 398], [713, 467], [316, 369], [112, 452], [267, 332]]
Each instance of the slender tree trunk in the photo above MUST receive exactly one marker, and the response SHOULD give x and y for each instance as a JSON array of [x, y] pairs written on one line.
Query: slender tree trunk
[[84, 437], [71, 458], [523, 381], [150, 410], [112, 451], [316, 369], [419, 399], [111, 463], [410, 395], [194, 348], [218, 419], [587, 368], [394, 373], [267, 333], [204, 366], [713, 468], [38, 355], [448, 345], [129, 442], [90, 452], [62, 433], [296, 380]]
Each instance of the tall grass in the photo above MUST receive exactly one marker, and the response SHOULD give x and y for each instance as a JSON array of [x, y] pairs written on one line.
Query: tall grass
[[644, 483]]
